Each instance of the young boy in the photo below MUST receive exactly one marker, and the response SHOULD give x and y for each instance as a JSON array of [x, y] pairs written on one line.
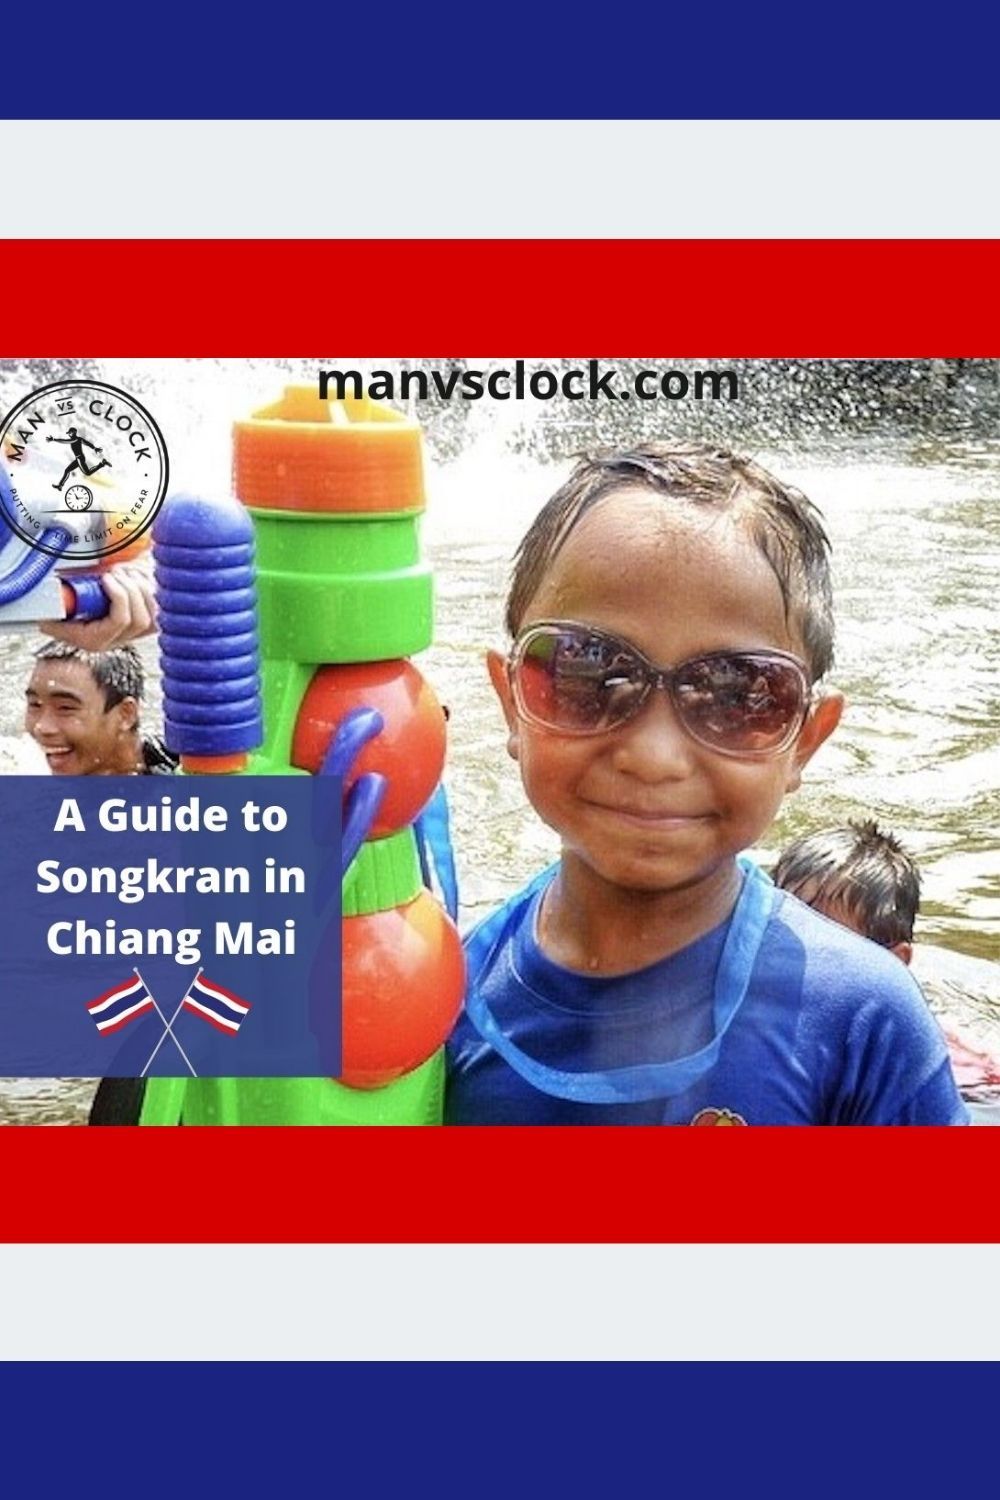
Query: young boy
[[857, 876], [82, 709], [863, 878], [671, 617]]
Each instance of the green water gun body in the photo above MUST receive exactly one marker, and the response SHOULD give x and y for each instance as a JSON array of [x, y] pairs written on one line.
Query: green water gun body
[[335, 493]]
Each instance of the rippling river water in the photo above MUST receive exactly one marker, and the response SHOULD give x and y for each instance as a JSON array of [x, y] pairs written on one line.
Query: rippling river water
[[915, 527]]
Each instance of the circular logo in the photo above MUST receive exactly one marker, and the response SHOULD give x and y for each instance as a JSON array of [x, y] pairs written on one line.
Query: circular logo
[[83, 470]]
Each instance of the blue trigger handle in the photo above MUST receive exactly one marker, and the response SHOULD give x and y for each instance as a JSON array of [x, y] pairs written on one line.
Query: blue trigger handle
[[360, 811], [352, 735], [365, 797]]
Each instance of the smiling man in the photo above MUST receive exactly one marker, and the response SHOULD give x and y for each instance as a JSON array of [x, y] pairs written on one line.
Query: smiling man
[[82, 709]]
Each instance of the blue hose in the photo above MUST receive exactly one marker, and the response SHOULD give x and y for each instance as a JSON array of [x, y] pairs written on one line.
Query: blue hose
[[34, 568], [90, 602]]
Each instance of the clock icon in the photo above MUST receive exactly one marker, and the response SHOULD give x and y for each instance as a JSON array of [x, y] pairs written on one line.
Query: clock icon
[[78, 497]]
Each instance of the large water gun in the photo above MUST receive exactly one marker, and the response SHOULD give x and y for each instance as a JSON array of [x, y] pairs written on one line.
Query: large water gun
[[326, 532]]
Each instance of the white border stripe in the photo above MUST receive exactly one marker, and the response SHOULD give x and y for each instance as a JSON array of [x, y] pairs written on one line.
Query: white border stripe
[[674, 1302], [512, 179]]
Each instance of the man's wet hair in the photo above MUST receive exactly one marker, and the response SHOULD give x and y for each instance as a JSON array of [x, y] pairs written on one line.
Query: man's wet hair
[[117, 671], [861, 869], [785, 526]]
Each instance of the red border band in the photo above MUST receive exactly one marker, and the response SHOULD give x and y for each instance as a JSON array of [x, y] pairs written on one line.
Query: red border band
[[570, 1184], [536, 299]]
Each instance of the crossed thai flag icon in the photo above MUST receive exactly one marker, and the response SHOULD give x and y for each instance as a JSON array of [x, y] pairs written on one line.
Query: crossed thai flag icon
[[214, 1004]]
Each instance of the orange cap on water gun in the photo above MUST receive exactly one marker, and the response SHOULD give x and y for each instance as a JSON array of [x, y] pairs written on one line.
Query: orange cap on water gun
[[304, 453]]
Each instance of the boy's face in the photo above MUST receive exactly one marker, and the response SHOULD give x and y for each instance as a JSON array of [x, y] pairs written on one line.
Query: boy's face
[[65, 714], [644, 805], [839, 912]]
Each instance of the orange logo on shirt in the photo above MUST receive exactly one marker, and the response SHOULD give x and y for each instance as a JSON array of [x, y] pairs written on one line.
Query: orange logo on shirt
[[717, 1117]]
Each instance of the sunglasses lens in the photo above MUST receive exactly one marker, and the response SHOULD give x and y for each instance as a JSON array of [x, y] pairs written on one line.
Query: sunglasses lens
[[577, 682], [741, 704]]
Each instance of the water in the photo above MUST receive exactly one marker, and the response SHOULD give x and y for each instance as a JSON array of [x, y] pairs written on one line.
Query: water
[[910, 487]]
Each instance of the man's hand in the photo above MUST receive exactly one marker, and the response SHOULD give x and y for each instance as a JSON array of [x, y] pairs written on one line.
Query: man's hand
[[129, 587]]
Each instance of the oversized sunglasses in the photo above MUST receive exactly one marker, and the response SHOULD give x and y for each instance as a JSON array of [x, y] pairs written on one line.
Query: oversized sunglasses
[[575, 679]]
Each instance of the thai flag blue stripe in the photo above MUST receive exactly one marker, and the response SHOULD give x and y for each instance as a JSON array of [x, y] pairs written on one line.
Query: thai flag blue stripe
[[115, 1008], [216, 996], [218, 1006], [112, 997]]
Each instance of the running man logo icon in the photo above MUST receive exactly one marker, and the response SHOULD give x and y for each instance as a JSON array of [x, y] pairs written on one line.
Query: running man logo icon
[[77, 445]]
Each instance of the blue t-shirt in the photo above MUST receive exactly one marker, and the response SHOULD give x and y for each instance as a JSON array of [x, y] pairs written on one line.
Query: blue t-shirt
[[831, 1030]]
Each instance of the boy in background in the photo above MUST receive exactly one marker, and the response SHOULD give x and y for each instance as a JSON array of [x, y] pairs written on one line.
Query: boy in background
[[863, 878]]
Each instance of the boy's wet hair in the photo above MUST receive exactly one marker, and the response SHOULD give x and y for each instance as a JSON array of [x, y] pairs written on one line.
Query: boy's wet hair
[[861, 869], [784, 525], [117, 671]]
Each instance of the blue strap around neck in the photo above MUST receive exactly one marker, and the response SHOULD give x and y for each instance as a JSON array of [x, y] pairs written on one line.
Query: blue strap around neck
[[437, 857], [664, 1080]]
